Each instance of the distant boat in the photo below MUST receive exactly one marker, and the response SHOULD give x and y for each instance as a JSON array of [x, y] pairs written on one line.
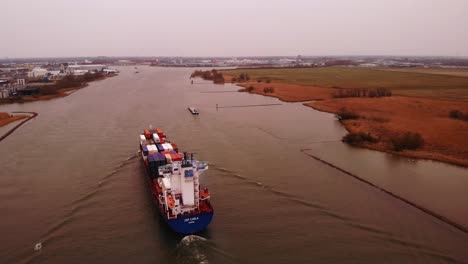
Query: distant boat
[[137, 72], [193, 110]]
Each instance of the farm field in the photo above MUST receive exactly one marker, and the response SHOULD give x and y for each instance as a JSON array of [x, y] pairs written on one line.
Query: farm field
[[401, 82], [421, 103]]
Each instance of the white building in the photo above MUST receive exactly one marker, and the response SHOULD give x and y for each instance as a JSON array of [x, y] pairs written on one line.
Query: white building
[[37, 72], [82, 69], [109, 71], [55, 75]]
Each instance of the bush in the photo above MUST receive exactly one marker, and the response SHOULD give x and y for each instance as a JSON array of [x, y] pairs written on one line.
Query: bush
[[345, 114], [212, 75], [457, 114], [408, 140], [268, 90], [361, 92], [259, 80], [354, 138], [247, 89], [268, 81], [68, 81], [48, 89]]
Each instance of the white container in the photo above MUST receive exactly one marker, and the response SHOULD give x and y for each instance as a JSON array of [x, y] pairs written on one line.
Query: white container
[[156, 138], [142, 140], [168, 146]]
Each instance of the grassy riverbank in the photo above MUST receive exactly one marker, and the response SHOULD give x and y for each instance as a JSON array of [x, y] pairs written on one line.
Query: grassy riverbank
[[419, 105]]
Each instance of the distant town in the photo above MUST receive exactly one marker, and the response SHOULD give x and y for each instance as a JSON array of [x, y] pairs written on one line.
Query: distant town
[[26, 76]]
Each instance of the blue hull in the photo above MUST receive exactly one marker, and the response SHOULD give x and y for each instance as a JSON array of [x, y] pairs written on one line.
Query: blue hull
[[184, 224], [190, 224]]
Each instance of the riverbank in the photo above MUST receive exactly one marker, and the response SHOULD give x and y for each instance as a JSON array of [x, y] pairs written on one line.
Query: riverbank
[[6, 118], [384, 118], [58, 93], [388, 117]]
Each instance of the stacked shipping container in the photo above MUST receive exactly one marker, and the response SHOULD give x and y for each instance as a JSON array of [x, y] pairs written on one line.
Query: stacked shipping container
[[157, 151]]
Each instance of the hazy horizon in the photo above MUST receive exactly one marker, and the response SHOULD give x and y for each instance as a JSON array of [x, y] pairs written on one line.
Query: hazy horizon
[[143, 28]]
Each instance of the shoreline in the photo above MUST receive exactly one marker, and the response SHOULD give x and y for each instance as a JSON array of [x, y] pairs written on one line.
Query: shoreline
[[383, 118], [411, 154], [63, 92], [9, 132], [7, 118]]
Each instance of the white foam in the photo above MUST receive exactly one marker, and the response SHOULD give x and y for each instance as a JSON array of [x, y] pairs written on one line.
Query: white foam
[[38, 246]]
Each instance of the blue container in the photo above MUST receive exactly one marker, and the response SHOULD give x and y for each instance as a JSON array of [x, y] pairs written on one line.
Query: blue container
[[145, 150], [160, 159], [160, 147]]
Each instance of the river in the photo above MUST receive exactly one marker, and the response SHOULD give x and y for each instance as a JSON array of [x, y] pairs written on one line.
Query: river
[[72, 180]]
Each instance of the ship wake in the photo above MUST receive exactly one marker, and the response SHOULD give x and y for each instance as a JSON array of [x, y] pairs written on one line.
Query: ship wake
[[75, 206], [194, 249]]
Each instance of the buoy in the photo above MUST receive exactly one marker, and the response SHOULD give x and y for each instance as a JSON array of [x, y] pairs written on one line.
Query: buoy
[[38, 246]]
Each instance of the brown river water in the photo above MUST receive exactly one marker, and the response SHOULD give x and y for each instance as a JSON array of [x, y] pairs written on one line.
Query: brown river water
[[72, 180]]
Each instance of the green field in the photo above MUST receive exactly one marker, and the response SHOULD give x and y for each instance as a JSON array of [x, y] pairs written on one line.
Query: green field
[[408, 83], [462, 72]]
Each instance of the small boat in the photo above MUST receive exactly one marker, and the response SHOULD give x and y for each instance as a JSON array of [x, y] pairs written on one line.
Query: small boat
[[193, 110]]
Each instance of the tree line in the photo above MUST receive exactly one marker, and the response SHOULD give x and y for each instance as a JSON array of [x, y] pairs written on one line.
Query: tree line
[[212, 75]]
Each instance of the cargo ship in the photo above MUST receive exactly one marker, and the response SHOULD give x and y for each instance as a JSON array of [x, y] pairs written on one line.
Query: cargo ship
[[174, 179]]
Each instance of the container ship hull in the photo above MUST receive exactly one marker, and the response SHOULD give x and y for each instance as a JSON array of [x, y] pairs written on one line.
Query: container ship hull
[[183, 213]]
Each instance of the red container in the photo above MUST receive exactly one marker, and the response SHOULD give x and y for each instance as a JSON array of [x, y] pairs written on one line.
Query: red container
[[176, 157], [147, 134], [174, 146]]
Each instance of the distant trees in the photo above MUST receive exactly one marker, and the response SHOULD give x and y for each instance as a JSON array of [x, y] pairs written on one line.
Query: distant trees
[[457, 114], [247, 89], [243, 77], [362, 92], [212, 75], [359, 137], [48, 89], [345, 114], [268, 90], [70, 81]]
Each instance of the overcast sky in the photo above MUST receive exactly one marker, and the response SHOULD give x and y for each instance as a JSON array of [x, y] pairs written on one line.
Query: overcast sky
[[40, 28]]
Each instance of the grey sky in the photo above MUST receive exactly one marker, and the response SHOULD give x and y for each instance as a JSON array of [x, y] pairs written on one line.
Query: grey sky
[[38, 28]]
